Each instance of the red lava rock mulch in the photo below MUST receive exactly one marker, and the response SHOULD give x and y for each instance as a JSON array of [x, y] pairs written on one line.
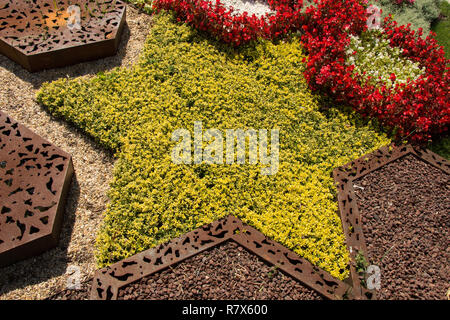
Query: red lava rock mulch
[[227, 271], [405, 216]]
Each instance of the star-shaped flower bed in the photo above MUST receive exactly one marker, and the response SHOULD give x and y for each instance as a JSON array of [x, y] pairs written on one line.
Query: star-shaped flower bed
[[184, 77]]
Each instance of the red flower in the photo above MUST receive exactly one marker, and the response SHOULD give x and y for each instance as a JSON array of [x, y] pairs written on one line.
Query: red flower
[[419, 109]]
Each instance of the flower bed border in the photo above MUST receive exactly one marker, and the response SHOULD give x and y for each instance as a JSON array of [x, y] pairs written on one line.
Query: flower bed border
[[63, 48], [418, 110], [344, 177], [108, 281]]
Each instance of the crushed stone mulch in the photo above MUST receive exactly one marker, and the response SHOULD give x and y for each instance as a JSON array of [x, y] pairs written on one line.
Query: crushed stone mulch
[[405, 215], [225, 272]]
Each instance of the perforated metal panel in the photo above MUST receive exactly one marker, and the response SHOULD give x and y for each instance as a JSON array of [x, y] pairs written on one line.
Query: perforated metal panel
[[35, 178], [35, 33]]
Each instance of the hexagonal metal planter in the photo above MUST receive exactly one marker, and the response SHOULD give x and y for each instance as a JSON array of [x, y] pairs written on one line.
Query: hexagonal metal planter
[[47, 34], [344, 178], [35, 178], [108, 281]]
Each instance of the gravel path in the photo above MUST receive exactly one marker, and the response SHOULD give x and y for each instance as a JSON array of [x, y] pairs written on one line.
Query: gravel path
[[405, 214], [39, 277]]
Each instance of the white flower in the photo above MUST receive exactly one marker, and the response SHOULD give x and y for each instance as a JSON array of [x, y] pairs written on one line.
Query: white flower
[[379, 59]]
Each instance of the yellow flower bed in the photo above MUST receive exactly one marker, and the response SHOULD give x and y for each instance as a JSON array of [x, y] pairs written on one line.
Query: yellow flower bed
[[181, 78]]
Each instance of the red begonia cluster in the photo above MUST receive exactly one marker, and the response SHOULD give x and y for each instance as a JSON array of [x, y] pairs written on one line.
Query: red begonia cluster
[[416, 110], [227, 25]]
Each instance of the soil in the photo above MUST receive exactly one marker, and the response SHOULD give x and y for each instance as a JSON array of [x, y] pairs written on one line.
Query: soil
[[405, 214]]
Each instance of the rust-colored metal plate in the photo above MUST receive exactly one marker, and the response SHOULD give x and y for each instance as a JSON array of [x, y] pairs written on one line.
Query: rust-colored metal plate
[[348, 209], [36, 33], [35, 178], [108, 281]]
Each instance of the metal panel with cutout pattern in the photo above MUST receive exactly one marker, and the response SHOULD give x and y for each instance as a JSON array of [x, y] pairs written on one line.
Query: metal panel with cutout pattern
[[35, 177], [108, 281], [36, 33]]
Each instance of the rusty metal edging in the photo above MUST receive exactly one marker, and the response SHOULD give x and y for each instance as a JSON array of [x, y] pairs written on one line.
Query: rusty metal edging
[[108, 281], [35, 178], [35, 33], [348, 208]]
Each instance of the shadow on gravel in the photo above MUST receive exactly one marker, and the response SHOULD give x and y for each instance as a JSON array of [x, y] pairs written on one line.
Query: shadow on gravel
[[54, 261], [77, 70]]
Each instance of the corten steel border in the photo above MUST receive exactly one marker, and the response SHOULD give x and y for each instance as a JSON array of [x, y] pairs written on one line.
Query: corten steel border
[[21, 32], [344, 177], [35, 178], [108, 281]]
